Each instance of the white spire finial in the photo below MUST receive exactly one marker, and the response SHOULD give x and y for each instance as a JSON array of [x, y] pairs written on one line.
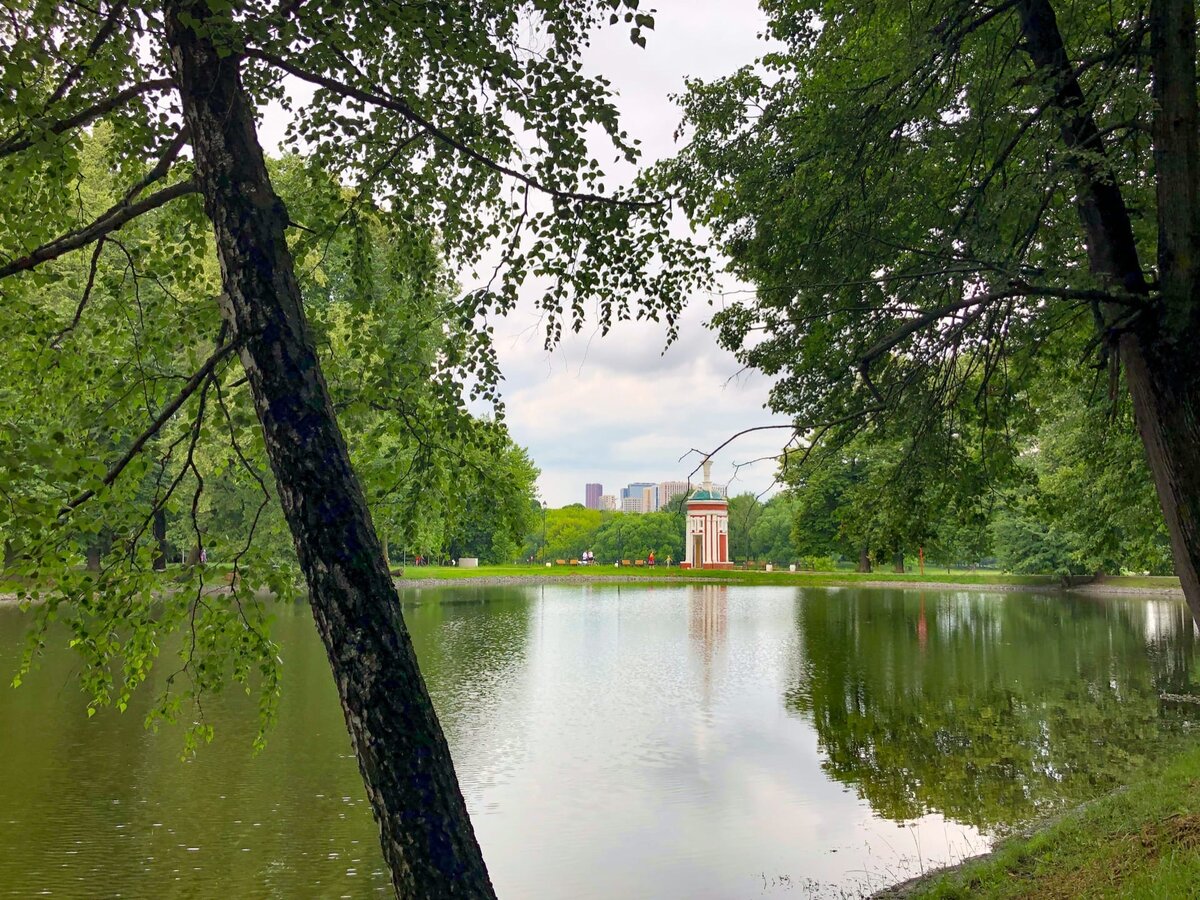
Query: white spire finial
[[708, 474]]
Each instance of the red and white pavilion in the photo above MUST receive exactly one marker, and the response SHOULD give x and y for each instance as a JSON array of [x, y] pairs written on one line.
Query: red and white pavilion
[[706, 542]]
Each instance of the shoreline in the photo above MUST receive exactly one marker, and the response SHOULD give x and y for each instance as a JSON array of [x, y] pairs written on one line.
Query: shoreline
[[788, 579], [759, 579]]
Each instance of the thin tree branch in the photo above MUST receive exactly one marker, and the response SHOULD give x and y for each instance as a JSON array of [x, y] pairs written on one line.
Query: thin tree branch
[[98, 41], [396, 105], [160, 420], [1018, 289], [16, 143], [83, 301], [112, 220]]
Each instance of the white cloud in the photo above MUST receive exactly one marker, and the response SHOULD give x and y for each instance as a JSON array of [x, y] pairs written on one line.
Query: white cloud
[[618, 409]]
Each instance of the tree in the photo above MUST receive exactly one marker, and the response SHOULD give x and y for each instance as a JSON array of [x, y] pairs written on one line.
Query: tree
[[930, 198], [428, 107], [568, 532], [744, 512], [771, 533], [635, 535], [1085, 500]]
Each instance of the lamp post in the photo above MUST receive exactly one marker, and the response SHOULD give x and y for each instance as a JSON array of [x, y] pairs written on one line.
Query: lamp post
[[543, 551]]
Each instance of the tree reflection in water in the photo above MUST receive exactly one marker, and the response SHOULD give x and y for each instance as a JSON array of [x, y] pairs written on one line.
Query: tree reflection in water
[[989, 709]]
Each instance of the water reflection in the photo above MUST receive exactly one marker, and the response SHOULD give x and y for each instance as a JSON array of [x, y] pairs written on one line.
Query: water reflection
[[616, 741], [986, 709]]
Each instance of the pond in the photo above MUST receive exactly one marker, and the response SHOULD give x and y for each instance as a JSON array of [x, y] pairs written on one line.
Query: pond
[[620, 741]]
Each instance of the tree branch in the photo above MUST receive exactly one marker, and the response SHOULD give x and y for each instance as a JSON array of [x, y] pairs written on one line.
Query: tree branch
[[112, 220], [17, 143], [160, 420], [401, 107], [98, 41], [1112, 248], [1018, 289], [87, 293]]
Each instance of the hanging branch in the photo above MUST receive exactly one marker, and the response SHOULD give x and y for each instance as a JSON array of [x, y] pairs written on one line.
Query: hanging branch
[[56, 342], [401, 107], [160, 420]]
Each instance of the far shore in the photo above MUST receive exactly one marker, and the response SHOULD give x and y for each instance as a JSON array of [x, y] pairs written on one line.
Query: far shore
[[966, 580], [1159, 586]]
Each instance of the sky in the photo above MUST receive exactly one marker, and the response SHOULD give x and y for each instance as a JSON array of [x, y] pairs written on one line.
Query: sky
[[619, 409]]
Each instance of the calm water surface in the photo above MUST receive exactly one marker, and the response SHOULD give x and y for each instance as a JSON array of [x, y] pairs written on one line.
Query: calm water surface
[[689, 741]]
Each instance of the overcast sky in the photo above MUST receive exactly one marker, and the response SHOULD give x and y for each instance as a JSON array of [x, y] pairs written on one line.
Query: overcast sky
[[617, 409]]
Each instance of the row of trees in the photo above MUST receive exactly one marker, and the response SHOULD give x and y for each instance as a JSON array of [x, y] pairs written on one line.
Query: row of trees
[[1065, 490]]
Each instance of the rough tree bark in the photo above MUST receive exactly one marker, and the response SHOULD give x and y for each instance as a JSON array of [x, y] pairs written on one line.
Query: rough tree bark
[[1157, 342], [864, 560], [405, 762]]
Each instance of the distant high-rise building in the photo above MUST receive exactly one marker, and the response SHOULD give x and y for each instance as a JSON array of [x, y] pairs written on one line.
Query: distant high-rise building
[[669, 490], [650, 498], [631, 504], [635, 489], [592, 494], [607, 502]]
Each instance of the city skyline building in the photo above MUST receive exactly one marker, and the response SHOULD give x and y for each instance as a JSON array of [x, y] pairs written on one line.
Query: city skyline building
[[669, 490], [643, 496], [635, 488]]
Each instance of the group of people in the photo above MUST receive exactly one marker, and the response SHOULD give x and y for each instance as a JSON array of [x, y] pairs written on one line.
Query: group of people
[[588, 559]]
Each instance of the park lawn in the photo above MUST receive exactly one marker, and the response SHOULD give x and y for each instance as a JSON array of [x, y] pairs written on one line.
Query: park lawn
[[1141, 841], [972, 576]]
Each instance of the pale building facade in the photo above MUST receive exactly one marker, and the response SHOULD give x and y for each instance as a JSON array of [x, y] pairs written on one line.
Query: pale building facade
[[608, 502], [631, 504], [669, 490]]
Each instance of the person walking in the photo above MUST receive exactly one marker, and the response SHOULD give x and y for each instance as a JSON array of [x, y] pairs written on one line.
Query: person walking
[[650, 559]]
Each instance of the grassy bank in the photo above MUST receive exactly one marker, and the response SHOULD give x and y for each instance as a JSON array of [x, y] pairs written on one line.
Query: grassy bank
[[815, 579], [640, 573], [1143, 841]]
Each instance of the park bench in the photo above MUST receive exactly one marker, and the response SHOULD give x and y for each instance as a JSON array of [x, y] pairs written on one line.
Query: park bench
[[640, 562], [626, 562], [574, 562], [560, 562]]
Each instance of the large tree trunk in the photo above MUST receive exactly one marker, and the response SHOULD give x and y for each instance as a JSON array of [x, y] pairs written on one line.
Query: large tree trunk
[[1166, 402], [898, 561], [1161, 359], [864, 560], [1157, 344], [405, 762]]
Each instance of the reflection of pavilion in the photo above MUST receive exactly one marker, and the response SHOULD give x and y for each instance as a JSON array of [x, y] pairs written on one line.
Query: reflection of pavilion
[[706, 624]]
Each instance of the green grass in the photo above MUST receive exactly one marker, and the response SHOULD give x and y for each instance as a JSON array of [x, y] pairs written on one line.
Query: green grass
[[642, 573], [1143, 841], [1153, 582]]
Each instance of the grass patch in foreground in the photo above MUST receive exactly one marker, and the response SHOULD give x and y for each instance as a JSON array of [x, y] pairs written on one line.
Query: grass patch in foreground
[[1143, 841]]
